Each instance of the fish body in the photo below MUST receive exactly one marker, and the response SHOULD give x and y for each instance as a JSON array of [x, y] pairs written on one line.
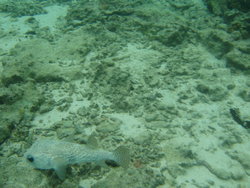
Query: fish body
[[56, 154]]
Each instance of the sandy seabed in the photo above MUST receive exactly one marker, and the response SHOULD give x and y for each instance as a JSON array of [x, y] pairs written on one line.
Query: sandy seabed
[[159, 77]]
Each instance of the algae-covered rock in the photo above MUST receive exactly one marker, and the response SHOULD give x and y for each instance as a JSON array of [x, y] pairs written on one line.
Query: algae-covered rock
[[22, 8], [235, 13], [11, 76], [108, 127], [36, 60], [214, 92], [5, 130], [220, 7], [245, 95], [10, 95], [170, 35], [239, 59], [20, 174], [242, 157], [218, 42], [104, 11], [17, 104], [113, 81], [143, 177]]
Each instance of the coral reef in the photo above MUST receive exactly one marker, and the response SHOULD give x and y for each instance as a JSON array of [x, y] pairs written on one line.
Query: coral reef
[[156, 76]]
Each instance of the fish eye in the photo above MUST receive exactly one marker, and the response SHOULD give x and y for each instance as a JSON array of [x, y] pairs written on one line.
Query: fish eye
[[30, 158]]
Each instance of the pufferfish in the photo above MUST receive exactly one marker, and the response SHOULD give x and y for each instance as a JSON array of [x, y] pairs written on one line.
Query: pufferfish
[[57, 155]]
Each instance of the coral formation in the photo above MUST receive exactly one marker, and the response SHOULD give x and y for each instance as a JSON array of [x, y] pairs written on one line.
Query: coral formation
[[156, 76]]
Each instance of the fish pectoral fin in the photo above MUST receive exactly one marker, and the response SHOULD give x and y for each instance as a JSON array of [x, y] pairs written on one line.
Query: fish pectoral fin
[[122, 156], [60, 165]]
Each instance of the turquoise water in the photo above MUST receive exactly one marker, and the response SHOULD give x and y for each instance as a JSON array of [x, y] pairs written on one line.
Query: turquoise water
[[168, 80]]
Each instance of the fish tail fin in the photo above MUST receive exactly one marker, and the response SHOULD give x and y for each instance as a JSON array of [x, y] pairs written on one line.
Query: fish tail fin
[[122, 156]]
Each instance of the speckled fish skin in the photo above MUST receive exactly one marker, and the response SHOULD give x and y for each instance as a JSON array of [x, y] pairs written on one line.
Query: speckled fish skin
[[56, 154], [46, 150]]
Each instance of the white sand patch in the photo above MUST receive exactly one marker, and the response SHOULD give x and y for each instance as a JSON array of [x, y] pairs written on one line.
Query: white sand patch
[[169, 98], [87, 183], [12, 30], [199, 176], [46, 120], [220, 164], [131, 127], [50, 19], [137, 58]]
